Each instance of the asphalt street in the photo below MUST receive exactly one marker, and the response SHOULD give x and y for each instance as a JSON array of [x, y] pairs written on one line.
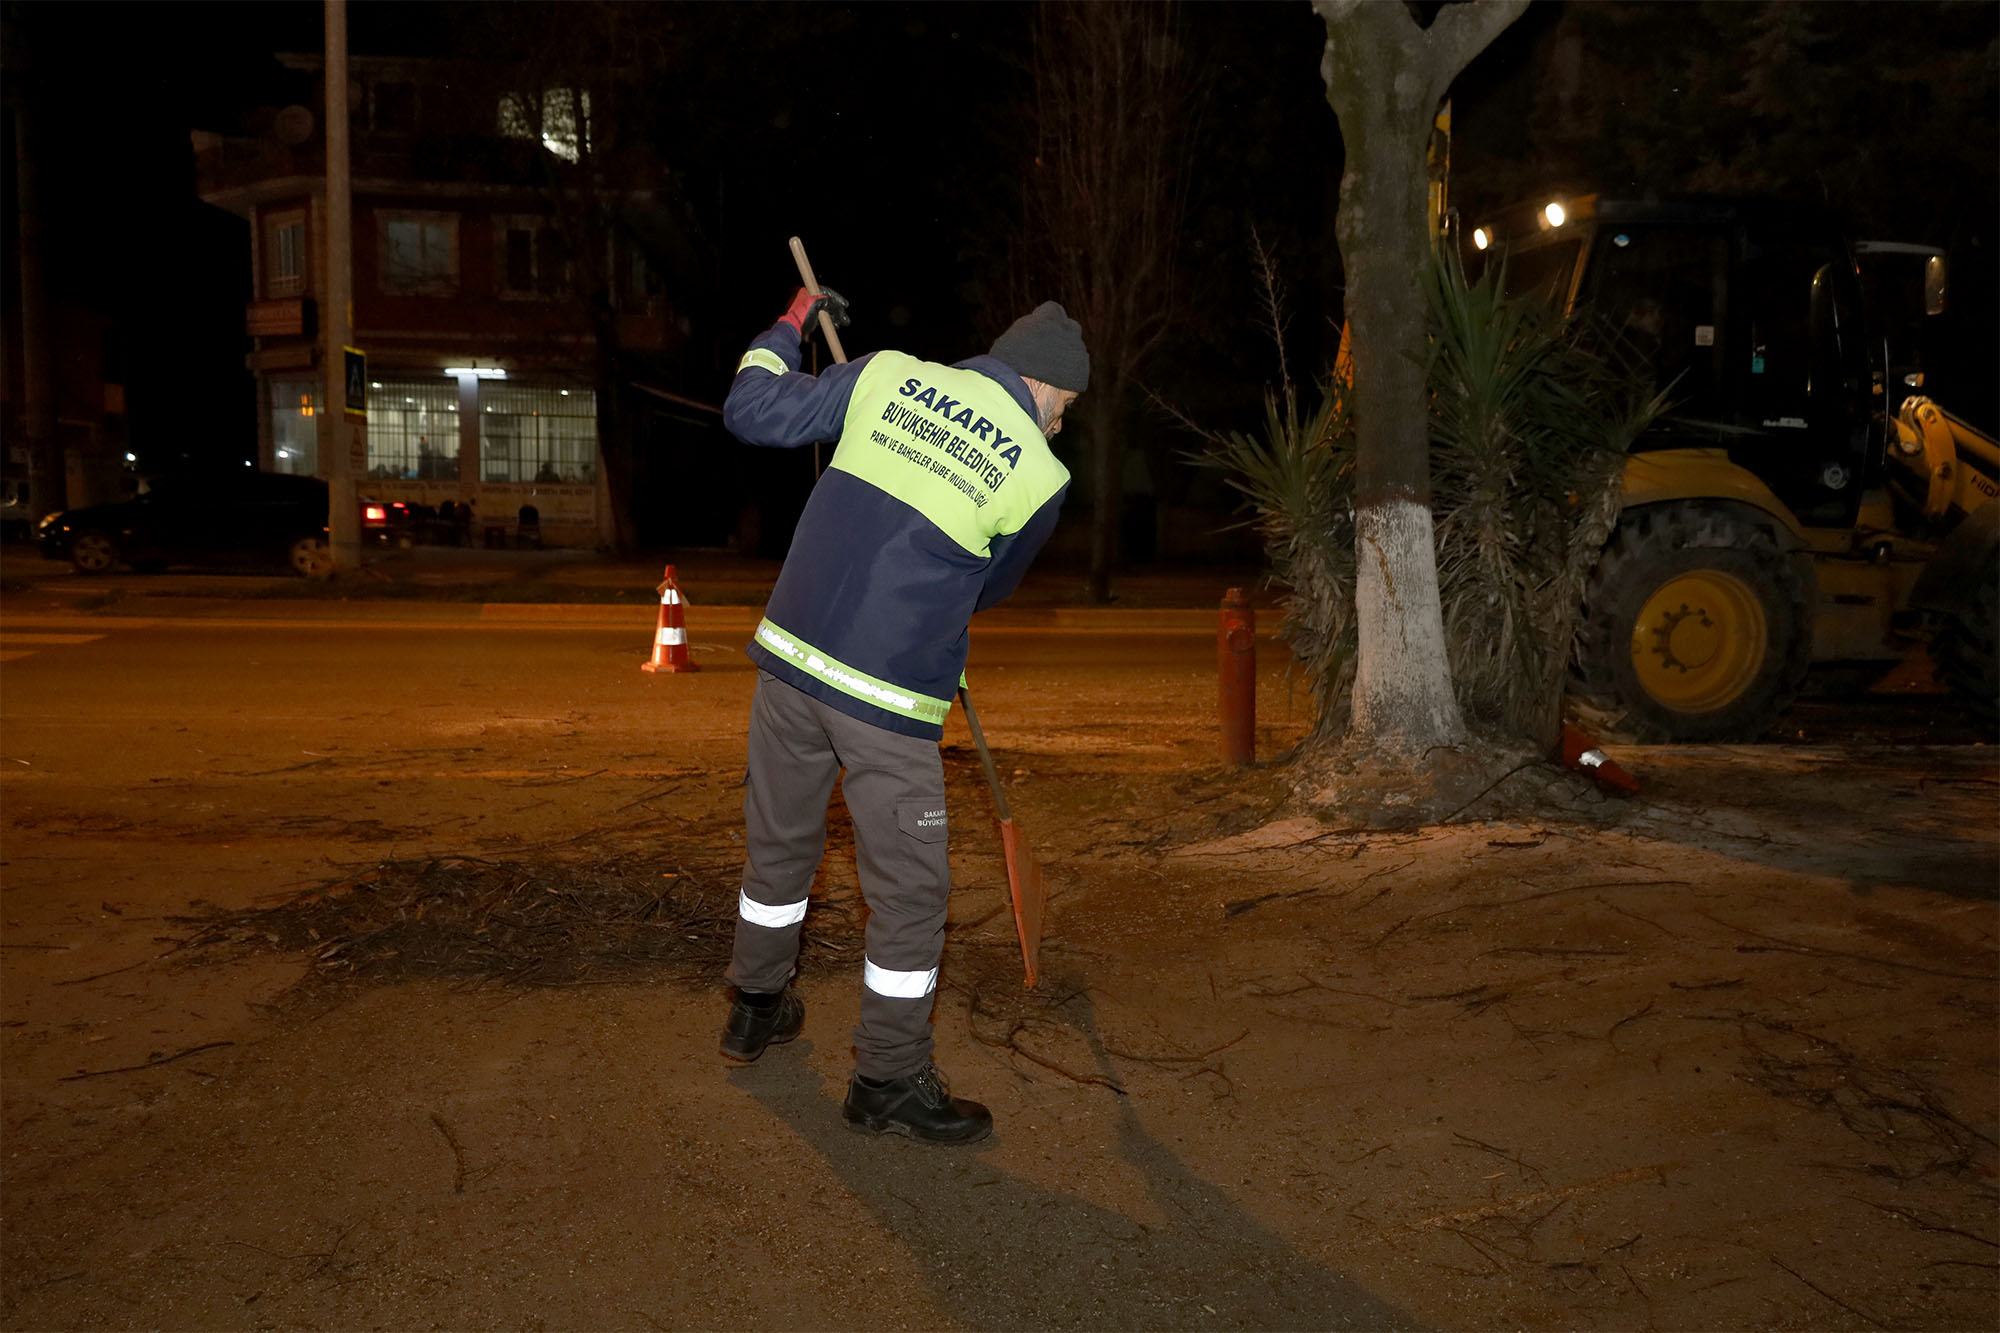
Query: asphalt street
[[195, 1142], [421, 714]]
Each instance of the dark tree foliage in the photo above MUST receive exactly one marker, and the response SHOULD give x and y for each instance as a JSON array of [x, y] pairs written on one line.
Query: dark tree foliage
[[1882, 111], [1104, 198], [1885, 111]]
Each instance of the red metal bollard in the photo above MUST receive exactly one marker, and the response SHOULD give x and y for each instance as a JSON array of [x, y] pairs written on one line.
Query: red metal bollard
[[1236, 664]]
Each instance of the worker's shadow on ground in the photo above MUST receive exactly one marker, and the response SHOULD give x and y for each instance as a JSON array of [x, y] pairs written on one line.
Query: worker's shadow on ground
[[1002, 1252]]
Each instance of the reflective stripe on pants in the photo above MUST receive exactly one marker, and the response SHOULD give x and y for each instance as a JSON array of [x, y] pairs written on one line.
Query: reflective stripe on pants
[[894, 792]]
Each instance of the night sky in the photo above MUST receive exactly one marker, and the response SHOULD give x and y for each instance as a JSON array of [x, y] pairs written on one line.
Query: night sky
[[888, 135]]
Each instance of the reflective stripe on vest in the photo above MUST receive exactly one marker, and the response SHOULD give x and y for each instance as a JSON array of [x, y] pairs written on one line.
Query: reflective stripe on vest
[[950, 443], [763, 358], [859, 684], [765, 914], [898, 985]]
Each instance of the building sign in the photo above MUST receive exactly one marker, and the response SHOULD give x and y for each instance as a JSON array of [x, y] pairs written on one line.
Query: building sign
[[357, 382], [275, 319]]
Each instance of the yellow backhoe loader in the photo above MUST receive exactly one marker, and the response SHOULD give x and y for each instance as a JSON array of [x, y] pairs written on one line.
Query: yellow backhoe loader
[[1800, 502]]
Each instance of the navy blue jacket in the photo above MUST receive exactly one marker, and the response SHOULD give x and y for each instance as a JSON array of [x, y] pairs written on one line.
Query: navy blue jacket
[[871, 610]]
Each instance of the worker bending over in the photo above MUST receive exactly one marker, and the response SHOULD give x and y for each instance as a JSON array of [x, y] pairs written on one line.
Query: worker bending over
[[940, 492]]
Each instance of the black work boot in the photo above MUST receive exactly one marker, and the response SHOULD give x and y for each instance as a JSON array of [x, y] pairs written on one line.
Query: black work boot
[[919, 1105], [757, 1021]]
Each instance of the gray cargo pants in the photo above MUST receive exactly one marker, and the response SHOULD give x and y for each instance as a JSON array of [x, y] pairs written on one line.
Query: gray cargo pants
[[894, 789]]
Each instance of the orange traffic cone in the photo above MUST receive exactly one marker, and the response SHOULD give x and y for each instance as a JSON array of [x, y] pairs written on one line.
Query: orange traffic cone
[[670, 640], [1579, 751]]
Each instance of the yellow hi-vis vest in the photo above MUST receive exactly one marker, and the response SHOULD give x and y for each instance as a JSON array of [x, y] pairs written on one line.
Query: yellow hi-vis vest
[[952, 444]]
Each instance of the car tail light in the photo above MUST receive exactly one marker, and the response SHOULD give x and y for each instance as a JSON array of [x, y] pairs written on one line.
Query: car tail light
[[374, 514]]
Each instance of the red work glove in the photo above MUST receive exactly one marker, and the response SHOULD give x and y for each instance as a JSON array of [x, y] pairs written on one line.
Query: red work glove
[[804, 312]]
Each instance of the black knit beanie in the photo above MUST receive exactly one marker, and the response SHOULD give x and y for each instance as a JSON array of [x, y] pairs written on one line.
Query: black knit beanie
[[1047, 345]]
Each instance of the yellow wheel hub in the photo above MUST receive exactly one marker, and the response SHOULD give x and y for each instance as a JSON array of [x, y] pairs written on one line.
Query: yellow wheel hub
[[1699, 641]]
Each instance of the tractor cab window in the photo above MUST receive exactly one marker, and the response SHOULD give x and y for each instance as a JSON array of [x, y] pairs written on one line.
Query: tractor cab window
[[1544, 272], [1657, 294], [1804, 405]]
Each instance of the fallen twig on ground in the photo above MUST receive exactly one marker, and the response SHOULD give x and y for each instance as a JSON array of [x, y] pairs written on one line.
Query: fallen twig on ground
[[1505, 1154], [457, 1153], [1858, 1314], [148, 1064], [1780, 945], [1910, 1215]]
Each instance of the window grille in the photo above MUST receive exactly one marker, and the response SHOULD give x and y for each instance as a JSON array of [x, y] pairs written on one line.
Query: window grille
[[288, 257], [413, 430], [544, 434], [294, 428]]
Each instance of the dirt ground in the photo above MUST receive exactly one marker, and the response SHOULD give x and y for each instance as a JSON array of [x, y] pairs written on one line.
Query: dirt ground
[[1723, 1056]]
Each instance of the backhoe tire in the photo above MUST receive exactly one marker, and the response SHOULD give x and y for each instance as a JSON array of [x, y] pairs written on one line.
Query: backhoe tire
[[1695, 626], [1966, 653]]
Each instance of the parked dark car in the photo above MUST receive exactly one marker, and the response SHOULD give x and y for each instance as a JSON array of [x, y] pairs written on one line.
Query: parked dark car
[[223, 518]]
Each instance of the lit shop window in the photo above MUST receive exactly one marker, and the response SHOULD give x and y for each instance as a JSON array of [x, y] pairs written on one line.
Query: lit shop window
[[539, 434], [413, 430]]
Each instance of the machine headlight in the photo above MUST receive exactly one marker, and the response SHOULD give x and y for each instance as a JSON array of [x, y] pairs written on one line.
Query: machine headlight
[[48, 521]]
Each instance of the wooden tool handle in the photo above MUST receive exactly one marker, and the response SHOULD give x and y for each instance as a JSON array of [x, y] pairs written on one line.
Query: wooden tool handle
[[812, 285], [985, 755]]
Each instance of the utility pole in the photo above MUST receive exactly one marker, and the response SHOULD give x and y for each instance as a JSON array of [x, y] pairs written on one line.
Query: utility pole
[[345, 455], [47, 479]]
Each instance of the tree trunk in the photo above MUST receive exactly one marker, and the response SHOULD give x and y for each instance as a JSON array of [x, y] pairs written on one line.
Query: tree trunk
[[614, 444], [1384, 78], [1101, 442], [1402, 686], [48, 479]]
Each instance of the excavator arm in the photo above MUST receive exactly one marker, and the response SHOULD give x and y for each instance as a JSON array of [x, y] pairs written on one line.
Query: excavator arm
[[1941, 464]]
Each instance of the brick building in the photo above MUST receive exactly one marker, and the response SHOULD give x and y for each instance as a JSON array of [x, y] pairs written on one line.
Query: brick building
[[468, 299]]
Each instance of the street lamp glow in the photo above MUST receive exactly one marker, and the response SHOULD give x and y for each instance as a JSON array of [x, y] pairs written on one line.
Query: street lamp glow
[[1555, 214], [1481, 238]]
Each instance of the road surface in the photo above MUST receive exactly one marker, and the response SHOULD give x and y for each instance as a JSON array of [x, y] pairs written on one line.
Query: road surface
[[1722, 1058]]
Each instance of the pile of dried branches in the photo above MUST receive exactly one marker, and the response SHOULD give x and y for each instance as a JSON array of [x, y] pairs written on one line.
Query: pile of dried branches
[[546, 923]]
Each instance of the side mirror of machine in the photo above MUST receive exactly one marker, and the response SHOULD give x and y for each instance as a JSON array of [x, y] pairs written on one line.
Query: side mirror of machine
[[1935, 285]]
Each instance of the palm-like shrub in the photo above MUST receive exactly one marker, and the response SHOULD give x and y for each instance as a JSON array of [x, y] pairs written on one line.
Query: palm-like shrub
[[1298, 481], [1529, 428]]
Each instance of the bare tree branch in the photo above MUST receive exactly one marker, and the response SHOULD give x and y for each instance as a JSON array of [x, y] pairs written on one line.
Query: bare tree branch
[[1461, 32]]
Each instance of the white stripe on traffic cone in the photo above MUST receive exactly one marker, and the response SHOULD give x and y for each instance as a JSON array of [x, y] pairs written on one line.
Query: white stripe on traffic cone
[[670, 652]]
